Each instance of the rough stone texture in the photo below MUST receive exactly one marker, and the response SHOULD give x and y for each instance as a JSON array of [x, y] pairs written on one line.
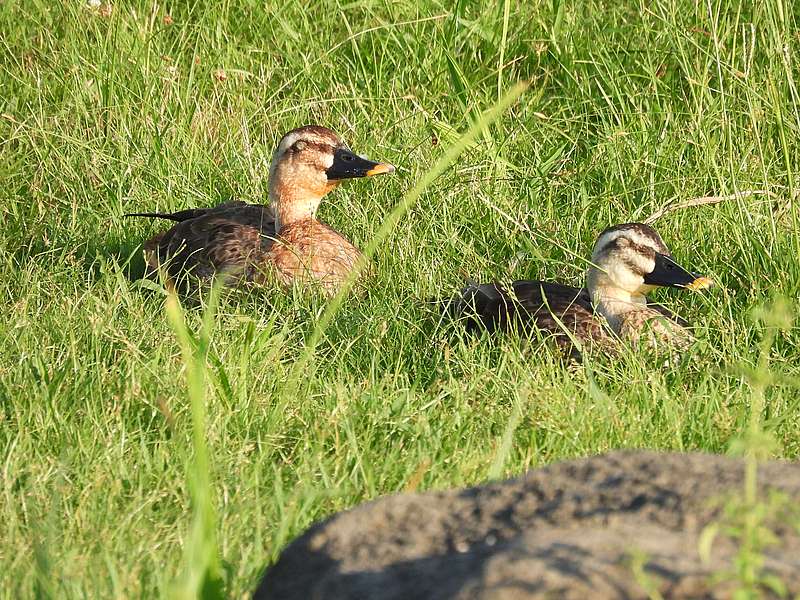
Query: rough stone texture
[[605, 527]]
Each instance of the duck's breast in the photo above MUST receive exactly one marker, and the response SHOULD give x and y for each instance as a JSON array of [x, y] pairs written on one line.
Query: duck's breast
[[310, 250], [653, 329]]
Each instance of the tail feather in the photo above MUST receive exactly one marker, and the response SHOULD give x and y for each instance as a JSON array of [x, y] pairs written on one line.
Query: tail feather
[[181, 215], [469, 303]]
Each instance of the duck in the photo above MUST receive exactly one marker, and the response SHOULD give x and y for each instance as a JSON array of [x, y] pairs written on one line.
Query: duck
[[281, 241], [629, 260]]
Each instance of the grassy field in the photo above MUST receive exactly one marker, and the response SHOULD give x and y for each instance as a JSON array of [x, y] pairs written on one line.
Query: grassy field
[[631, 106]]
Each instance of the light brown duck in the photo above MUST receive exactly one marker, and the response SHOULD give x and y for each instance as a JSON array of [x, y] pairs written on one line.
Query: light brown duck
[[282, 241]]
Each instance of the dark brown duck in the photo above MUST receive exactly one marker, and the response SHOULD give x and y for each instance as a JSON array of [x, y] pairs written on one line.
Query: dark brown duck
[[628, 262]]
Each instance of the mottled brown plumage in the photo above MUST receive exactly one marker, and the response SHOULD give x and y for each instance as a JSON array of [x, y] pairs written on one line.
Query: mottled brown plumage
[[309, 250], [528, 306], [283, 241], [229, 240], [628, 261]]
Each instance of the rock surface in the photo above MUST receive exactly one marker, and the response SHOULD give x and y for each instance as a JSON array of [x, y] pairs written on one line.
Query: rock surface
[[613, 526]]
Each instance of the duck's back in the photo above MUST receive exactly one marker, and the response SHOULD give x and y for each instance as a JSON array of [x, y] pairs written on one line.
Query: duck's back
[[553, 309], [228, 239]]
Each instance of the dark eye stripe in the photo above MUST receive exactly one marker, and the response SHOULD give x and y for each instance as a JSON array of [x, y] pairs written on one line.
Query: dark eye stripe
[[307, 145], [629, 244], [634, 267]]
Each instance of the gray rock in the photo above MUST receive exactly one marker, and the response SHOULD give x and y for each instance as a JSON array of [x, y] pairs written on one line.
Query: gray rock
[[611, 526]]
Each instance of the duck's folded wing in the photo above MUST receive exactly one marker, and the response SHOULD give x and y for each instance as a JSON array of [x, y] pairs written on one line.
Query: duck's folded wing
[[563, 311], [573, 304], [491, 306], [216, 242]]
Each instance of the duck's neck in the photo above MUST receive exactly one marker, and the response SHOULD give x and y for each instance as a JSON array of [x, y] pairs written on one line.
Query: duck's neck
[[611, 301], [291, 205]]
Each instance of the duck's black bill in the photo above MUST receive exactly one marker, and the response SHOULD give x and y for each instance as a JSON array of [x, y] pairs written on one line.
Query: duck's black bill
[[347, 165], [668, 273]]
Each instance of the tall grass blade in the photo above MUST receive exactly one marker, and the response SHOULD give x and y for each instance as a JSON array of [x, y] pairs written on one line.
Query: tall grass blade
[[405, 204], [503, 41], [202, 572]]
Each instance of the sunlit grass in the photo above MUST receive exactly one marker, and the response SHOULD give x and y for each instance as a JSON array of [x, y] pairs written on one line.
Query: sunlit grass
[[631, 106]]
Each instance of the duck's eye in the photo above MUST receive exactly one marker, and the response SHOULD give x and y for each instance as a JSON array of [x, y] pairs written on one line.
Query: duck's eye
[[299, 146]]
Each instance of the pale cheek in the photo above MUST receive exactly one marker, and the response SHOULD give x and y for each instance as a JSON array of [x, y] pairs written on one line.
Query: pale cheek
[[310, 175], [625, 279], [300, 178]]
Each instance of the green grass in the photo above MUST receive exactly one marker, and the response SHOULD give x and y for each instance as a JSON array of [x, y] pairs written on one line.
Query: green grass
[[630, 106]]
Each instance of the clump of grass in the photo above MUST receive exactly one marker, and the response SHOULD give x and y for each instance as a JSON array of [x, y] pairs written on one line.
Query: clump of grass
[[750, 519], [202, 577]]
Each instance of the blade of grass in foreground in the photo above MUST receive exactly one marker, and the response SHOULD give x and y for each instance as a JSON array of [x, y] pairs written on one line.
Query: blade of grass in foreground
[[389, 224], [201, 577], [503, 41], [202, 574]]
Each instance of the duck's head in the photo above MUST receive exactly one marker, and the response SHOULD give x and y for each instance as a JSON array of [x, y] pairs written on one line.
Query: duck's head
[[308, 163], [630, 260]]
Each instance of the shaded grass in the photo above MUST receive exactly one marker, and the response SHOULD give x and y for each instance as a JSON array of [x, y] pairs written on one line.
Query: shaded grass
[[630, 106]]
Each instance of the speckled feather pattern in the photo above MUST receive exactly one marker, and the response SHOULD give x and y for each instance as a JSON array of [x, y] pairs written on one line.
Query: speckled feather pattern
[[552, 308], [309, 251], [240, 242], [281, 242], [228, 239]]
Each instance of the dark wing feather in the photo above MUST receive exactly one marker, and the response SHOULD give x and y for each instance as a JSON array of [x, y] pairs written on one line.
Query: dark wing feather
[[531, 306], [227, 239]]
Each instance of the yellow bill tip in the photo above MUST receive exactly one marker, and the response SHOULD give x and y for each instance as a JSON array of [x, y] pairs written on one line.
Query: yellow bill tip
[[380, 168], [701, 283]]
